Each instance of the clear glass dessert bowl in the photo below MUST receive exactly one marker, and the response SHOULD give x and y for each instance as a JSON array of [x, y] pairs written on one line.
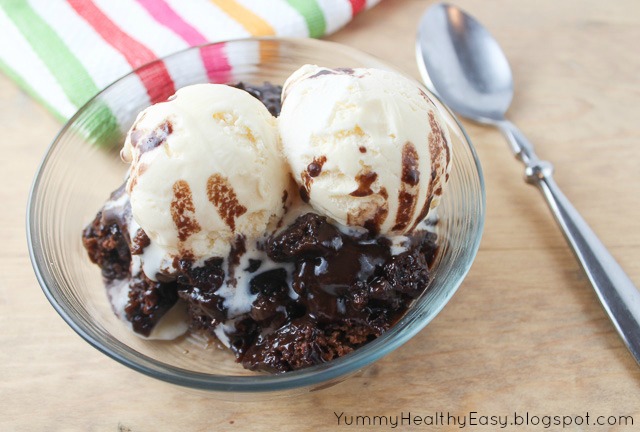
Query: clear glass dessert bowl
[[82, 167]]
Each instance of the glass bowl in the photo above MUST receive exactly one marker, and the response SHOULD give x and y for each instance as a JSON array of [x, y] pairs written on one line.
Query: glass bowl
[[82, 167]]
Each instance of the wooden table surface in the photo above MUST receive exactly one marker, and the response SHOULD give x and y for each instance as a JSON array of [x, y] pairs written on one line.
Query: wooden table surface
[[525, 332]]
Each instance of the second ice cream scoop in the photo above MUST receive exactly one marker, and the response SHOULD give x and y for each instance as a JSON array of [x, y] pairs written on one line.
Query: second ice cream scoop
[[367, 147]]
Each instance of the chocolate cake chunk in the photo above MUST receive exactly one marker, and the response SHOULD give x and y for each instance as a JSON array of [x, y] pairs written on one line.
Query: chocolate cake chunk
[[407, 273], [198, 286], [295, 345], [106, 239], [309, 235], [272, 298], [303, 342], [148, 302], [429, 246]]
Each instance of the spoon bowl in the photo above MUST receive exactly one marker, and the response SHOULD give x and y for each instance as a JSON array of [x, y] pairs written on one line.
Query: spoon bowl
[[460, 62]]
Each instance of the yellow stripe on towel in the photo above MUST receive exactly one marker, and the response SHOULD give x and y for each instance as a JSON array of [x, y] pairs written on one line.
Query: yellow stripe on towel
[[249, 20]]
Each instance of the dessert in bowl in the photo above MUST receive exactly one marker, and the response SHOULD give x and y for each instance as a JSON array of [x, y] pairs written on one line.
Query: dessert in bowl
[[77, 175]]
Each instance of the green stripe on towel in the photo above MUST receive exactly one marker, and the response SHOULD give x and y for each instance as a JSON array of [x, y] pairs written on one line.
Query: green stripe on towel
[[312, 14], [73, 78]]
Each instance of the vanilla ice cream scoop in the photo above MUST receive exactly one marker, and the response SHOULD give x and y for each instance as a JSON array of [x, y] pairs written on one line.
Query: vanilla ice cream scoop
[[205, 169], [367, 147]]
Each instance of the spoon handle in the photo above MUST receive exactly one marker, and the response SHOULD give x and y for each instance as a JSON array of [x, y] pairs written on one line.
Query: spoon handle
[[619, 296]]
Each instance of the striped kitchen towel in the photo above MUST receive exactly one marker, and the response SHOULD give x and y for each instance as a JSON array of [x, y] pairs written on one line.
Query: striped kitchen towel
[[63, 52]]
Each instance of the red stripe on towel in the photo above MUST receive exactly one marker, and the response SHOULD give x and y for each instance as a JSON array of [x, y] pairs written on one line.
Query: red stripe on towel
[[214, 58], [155, 78], [357, 6]]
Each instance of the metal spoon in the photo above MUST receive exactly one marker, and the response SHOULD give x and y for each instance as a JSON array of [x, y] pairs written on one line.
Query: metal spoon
[[462, 64]]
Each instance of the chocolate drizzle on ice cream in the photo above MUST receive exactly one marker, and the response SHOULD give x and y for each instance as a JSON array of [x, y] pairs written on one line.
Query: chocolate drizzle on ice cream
[[183, 210], [365, 179], [222, 195], [409, 188]]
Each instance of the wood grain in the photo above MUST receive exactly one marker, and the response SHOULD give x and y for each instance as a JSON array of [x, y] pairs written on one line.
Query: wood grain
[[525, 332]]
